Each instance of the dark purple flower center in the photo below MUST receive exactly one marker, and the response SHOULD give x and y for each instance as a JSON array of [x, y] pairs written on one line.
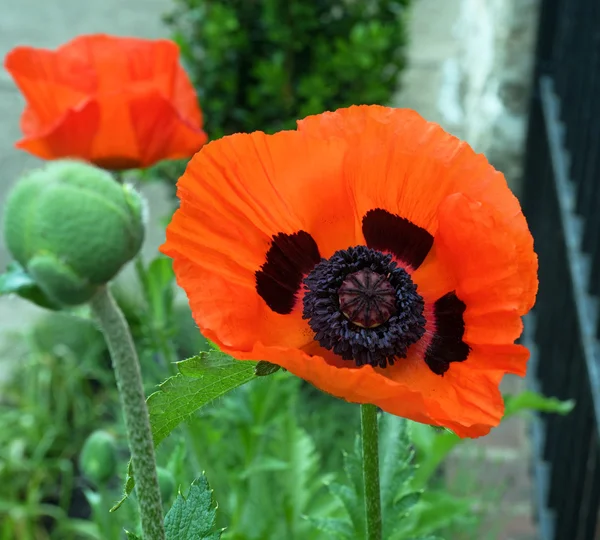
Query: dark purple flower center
[[363, 306]]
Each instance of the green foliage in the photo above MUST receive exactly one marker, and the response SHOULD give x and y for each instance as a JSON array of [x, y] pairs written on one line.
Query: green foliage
[[194, 517], [407, 512], [265, 468], [56, 395], [262, 65], [200, 380], [529, 401]]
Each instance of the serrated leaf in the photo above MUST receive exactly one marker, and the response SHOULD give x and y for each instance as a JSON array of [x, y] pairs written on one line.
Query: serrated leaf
[[334, 528], [266, 368], [16, 281], [396, 456], [194, 517], [532, 401], [201, 379], [440, 509], [348, 497], [404, 503]]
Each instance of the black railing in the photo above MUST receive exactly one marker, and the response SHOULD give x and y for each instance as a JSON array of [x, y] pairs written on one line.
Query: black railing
[[562, 203]]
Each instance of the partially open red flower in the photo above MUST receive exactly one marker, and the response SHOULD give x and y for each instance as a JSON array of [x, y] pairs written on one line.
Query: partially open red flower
[[117, 102], [368, 252]]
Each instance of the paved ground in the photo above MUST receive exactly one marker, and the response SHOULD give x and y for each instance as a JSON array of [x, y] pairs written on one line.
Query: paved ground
[[503, 455]]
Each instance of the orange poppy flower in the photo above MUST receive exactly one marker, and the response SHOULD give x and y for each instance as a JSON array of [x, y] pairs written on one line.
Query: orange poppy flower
[[368, 252], [117, 102]]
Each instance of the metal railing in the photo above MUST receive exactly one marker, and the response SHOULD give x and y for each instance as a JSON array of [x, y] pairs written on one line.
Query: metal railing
[[562, 203]]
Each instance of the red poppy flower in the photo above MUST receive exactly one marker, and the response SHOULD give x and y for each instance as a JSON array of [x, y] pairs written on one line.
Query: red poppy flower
[[117, 102], [368, 252]]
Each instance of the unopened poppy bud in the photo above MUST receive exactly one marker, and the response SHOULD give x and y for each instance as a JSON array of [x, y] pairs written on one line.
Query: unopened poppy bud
[[72, 228], [98, 458]]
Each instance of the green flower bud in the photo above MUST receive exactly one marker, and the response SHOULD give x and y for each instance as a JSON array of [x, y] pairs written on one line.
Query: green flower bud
[[166, 483], [98, 458], [72, 227]]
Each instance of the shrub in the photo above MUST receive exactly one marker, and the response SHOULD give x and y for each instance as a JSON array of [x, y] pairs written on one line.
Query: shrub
[[260, 65]]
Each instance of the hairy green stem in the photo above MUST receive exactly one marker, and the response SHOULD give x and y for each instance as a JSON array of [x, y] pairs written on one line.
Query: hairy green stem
[[370, 451], [129, 382]]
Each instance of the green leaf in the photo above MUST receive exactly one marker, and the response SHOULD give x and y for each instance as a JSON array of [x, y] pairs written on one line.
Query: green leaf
[[132, 536], [193, 518], [532, 401], [440, 509], [334, 527], [158, 283], [16, 281], [201, 379], [433, 447], [406, 502], [266, 368]]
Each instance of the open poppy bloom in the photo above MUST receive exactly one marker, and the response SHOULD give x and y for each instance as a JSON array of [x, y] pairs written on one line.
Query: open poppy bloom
[[368, 252], [119, 103]]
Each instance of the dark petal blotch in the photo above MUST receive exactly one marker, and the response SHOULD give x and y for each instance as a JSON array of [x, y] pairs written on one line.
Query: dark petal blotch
[[447, 345], [385, 231], [289, 259]]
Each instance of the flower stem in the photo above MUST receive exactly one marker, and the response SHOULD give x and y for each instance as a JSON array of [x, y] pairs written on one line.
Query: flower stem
[[129, 382], [370, 451]]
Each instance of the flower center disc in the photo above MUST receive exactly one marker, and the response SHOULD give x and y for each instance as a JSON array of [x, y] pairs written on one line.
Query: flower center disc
[[364, 307], [367, 298]]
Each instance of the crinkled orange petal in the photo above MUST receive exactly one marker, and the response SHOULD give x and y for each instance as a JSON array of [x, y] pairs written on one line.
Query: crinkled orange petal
[[403, 164], [491, 255], [236, 194], [433, 278], [466, 401]]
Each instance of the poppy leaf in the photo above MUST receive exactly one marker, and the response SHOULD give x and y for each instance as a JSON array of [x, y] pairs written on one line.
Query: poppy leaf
[[333, 527], [17, 281], [194, 517], [200, 380], [266, 368], [532, 401]]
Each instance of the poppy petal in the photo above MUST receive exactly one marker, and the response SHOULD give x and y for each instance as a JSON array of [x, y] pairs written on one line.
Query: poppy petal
[[237, 195], [412, 175], [495, 266], [51, 84], [468, 401], [71, 136], [154, 131]]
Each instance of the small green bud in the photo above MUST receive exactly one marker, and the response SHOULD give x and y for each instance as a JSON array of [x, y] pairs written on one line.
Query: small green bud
[[98, 458], [166, 483], [72, 227]]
